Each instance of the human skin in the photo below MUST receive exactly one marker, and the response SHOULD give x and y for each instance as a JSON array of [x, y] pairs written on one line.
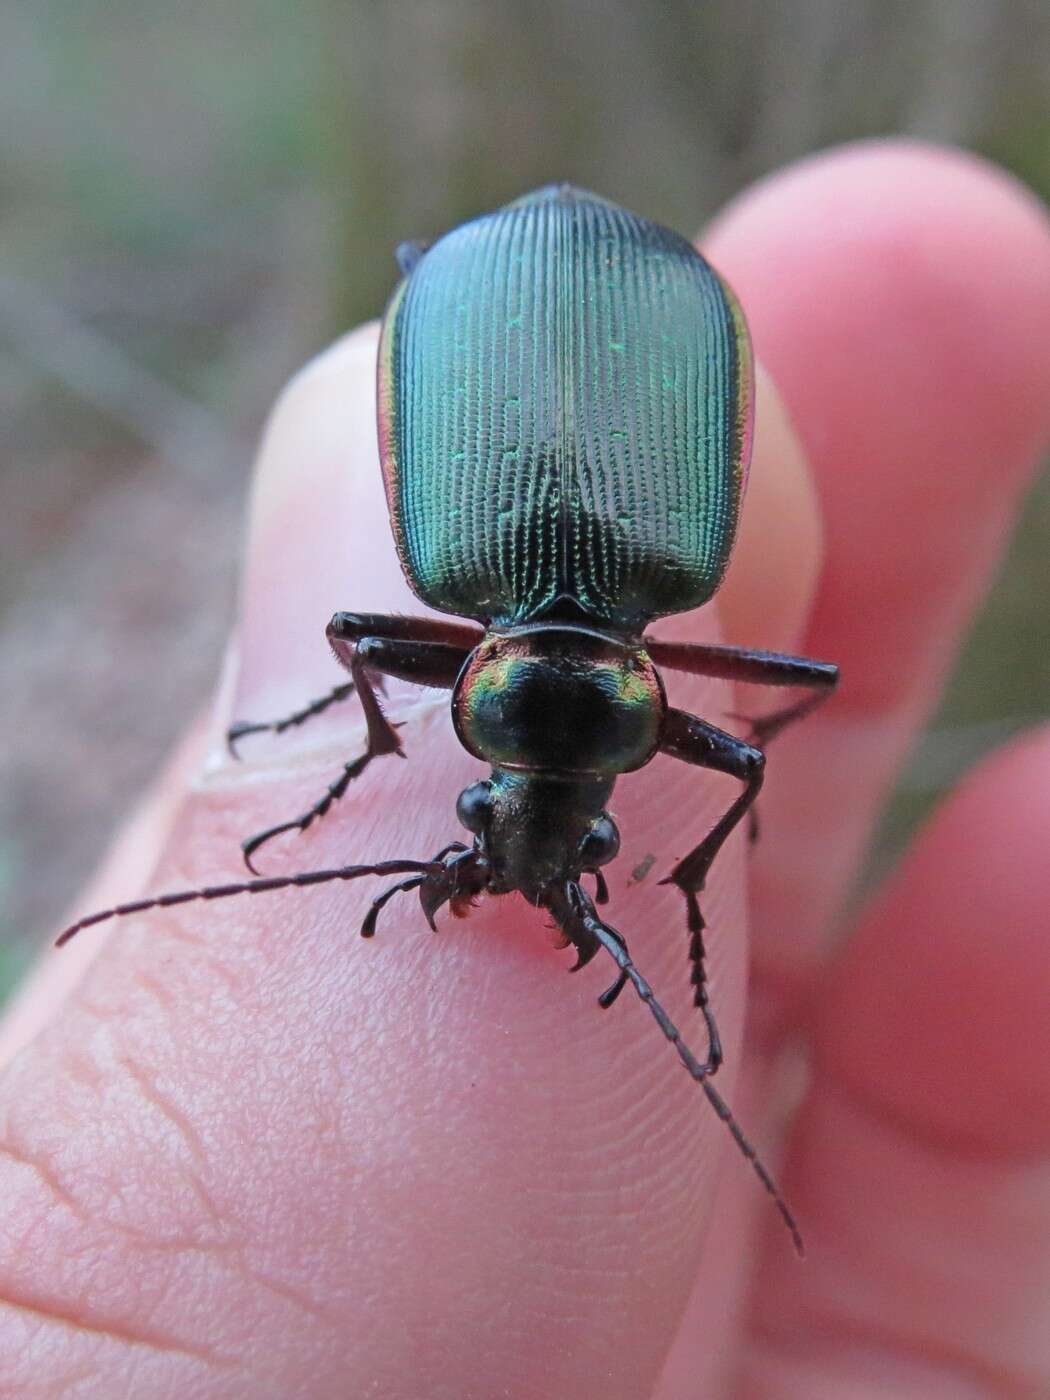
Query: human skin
[[246, 1154]]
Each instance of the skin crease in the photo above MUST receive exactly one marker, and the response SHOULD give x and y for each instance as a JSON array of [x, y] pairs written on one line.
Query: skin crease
[[256, 1156]]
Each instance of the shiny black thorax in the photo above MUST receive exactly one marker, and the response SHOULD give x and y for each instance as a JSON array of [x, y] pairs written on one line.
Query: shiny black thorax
[[559, 711]]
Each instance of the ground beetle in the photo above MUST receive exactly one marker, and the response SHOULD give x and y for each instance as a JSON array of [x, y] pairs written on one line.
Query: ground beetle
[[565, 406]]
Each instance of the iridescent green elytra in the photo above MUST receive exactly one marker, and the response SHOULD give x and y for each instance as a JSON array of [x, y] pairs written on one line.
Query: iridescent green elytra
[[564, 403], [565, 407]]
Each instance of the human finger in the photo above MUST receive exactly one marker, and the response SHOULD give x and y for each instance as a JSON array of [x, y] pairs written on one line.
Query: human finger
[[913, 381], [900, 296], [921, 1152], [370, 1154]]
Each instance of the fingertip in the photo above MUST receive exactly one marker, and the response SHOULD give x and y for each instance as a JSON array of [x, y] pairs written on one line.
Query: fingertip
[[936, 1013], [899, 293], [945, 252]]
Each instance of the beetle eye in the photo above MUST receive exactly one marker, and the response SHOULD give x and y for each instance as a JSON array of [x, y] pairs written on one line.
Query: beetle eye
[[601, 843], [473, 806]]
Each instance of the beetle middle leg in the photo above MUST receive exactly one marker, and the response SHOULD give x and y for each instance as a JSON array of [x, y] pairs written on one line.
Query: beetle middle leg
[[424, 662], [753, 668], [695, 741]]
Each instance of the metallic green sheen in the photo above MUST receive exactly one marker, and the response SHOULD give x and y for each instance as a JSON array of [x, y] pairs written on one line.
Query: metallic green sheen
[[564, 405]]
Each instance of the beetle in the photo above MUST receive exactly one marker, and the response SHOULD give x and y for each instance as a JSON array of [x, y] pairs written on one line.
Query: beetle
[[565, 403]]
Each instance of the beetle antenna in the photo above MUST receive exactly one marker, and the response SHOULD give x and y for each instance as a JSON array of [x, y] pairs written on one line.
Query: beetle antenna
[[261, 886], [617, 950]]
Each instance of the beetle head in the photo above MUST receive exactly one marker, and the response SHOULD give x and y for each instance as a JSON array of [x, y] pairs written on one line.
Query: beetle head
[[537, 831]]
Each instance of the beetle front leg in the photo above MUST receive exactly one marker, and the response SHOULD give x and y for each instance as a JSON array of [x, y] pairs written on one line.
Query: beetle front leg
[[694, 741], [422, 662]]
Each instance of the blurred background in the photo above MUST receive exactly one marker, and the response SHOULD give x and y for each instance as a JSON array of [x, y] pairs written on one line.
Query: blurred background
[[195, 198]]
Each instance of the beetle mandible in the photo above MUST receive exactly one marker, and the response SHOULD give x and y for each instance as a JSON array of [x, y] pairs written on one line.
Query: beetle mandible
[[565, 408]]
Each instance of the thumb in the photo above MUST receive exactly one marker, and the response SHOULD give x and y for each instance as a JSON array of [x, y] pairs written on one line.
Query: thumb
[[427, 1161]]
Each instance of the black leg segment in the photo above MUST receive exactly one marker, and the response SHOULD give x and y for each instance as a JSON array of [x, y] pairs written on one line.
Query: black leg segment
[[350, 627], [242, 727], [367, 655], [753, 668], [694, 741]]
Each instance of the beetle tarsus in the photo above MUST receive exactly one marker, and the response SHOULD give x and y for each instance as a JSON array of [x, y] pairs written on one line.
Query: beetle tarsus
[[765, 728], [240, 728], [237, 731], [332, 794]]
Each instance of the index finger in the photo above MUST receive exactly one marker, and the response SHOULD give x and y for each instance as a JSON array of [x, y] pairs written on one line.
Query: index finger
[[900, 296]]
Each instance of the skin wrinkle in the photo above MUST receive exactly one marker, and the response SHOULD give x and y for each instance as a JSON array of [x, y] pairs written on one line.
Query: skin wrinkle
[[149, 1242], [204, 955], [163, 1103], [883, 1352], [933, 1136], [22, 1157], [301, 1300], [964, 1241], [111, 1331], [157, 1341]]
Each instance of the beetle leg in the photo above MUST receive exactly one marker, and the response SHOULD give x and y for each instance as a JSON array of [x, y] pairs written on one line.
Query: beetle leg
[[568, 914], [240, 728], [753, 668], [425, 663], [694, 741], [351, 627], [368, 924]]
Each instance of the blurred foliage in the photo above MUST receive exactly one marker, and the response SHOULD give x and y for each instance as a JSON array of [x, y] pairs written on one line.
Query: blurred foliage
[[194, 198]]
